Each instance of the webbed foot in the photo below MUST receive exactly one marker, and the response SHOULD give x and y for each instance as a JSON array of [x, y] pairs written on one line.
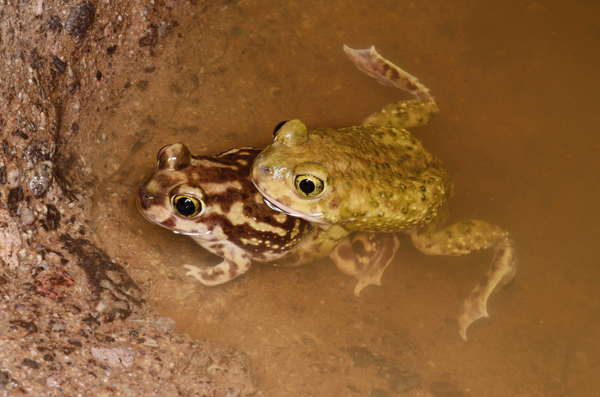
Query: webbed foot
[[463, 238], [502, 271], [403, 114], [472, 309], [194, 271], [365, 256]]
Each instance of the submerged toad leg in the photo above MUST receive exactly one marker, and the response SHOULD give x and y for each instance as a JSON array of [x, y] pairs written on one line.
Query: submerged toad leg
[[365, 256], [403, 114], [235, 264], [316, 244], [463, 238]]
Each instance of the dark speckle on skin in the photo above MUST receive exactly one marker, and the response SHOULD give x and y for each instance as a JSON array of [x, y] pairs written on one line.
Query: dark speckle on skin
[[466, 227], [215, 274], [170, 223], [359, 247], [233, 269], [225, 168], [346, 255]]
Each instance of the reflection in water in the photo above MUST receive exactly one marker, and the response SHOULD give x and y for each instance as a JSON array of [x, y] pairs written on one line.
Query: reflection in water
[[517, 87]]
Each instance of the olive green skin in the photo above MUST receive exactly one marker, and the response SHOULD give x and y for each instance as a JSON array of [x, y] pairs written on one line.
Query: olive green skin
[[376, 178]]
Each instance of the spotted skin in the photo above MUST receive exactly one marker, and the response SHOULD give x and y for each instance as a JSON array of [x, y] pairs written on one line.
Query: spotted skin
[[365, 256], [379, 178], [237, 225]]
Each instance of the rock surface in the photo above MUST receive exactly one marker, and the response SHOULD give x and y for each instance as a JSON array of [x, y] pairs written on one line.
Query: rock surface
[[72, 321]]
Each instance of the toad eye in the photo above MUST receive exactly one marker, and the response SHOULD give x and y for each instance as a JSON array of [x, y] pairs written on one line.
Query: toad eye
[[308, 185], [187, 206], [278, 127], [160, 152]]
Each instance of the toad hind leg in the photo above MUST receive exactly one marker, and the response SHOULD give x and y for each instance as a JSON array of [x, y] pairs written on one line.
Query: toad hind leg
[[463, 238], [403, 114], [365, 256], [222, 272]]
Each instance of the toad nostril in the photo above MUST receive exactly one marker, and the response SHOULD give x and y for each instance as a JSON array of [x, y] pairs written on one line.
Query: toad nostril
[[266, 171], [145, 201]]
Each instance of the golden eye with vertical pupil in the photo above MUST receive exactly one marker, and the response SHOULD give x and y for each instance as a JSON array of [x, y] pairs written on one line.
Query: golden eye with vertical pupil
[[308, 185], [187, 206]]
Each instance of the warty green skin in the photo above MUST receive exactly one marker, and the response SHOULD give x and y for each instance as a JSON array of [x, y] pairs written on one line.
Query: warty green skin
[[378, 177], [237, 225]]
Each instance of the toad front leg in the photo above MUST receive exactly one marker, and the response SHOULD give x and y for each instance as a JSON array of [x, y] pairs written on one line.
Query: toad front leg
[[235, 263], [463, 238]]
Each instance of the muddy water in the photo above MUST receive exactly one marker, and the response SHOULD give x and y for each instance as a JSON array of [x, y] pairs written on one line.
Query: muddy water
[[518, 90]]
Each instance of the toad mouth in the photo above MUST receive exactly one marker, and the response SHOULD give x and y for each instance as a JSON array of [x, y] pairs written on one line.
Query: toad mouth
[[276, 208], [290, 212]]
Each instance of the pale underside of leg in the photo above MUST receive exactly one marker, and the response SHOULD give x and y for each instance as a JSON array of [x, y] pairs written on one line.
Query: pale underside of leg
[[231, 267], [463, 238], [365, 256], [318, 243]]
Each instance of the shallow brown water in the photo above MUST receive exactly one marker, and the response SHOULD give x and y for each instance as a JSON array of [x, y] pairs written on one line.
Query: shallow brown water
[[518, 90]]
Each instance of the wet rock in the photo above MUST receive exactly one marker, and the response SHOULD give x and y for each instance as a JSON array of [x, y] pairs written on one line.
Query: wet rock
[[150, 38], [56, 380], [401, 377], [353, 389], [27, 325], [31, 364], [13, 177], [73, 294], [51, 284], [39, 184], [52, 221], [445, 389], [4, 379], [142, 85], [21, 134], [60, 65], [27, 216], [164, 324], [80, 20], [10, 240], [378, 393], [114, 357], [14, 196], [114, 290], [362, 357], [54, 24]]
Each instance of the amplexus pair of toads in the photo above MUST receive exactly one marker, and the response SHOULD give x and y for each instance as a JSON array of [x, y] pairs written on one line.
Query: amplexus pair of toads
[[342, 193]]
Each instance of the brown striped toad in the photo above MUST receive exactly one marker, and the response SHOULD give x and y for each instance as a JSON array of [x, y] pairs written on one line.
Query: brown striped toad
[[377, 177], [212, 200]]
